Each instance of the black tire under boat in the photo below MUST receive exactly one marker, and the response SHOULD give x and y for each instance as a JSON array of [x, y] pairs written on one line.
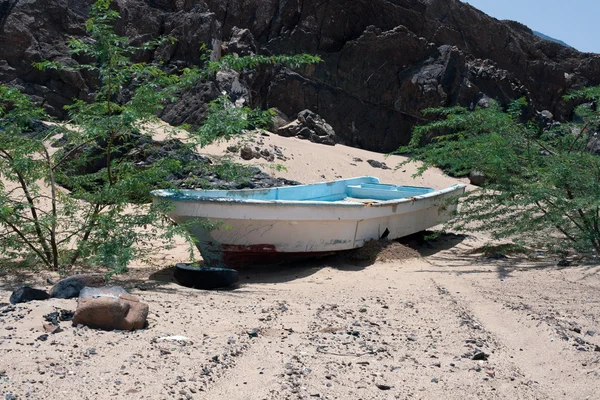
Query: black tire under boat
[[205, 277]]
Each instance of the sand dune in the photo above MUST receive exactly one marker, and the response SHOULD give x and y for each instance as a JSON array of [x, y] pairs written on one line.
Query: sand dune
[[309, 162]]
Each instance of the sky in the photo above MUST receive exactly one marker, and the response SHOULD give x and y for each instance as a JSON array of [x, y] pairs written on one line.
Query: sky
[[575, 22]]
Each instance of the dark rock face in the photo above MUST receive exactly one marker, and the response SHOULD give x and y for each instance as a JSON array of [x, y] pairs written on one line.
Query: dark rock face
[[38, 29], [387, 60], [384, 60]]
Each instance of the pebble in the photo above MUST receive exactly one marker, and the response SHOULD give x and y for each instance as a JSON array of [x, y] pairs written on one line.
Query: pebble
[[479, 355], [381, 386], [50, 328], [377, 164]]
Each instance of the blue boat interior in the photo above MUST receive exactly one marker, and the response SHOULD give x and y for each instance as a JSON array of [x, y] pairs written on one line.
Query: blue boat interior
[[364, 188]]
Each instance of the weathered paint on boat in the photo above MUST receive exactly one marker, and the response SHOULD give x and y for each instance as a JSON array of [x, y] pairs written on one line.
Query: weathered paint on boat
[[237, 227]]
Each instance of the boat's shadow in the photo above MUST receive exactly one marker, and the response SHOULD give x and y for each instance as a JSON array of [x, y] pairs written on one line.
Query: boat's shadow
[[428, 243], [281, 273], [420, 244], [248, 275]]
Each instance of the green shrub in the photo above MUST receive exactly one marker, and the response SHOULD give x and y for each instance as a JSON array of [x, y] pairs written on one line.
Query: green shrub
[[542, 185], [102, 218]]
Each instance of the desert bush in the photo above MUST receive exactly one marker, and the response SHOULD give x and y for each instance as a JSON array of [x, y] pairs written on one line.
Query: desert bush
[[103, 218], [542, 183]]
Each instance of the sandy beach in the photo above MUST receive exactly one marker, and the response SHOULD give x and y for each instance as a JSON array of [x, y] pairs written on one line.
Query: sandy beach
[[439, 322]]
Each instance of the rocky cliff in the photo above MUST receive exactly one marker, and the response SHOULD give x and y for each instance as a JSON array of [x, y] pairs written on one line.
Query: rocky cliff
[[384, 60], [540, 34]]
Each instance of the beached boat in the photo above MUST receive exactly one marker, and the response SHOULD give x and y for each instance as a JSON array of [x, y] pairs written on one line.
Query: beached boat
[[237, 227]]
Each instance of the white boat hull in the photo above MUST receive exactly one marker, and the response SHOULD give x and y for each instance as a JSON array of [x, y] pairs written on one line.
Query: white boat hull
[[250, 229]]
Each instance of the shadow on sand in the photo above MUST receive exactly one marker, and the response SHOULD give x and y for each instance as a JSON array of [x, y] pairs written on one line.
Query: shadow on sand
[[428, 243], [468, 259], [13, 278], [416, 245], [279, 273], [14, 274], [445, 253]]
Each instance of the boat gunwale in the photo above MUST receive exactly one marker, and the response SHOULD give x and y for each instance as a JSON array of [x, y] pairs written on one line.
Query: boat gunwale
[[169, 195]]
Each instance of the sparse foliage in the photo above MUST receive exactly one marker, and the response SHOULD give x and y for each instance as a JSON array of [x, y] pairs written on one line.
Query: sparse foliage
[[542, 184], [103, 218], [225, 121]]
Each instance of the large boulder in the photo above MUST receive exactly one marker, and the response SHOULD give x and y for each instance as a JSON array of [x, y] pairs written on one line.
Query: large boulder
[[242, 42], [290, 129], [110, 308], [309, 126], [278, 120], [477, 178], [70, 287]]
